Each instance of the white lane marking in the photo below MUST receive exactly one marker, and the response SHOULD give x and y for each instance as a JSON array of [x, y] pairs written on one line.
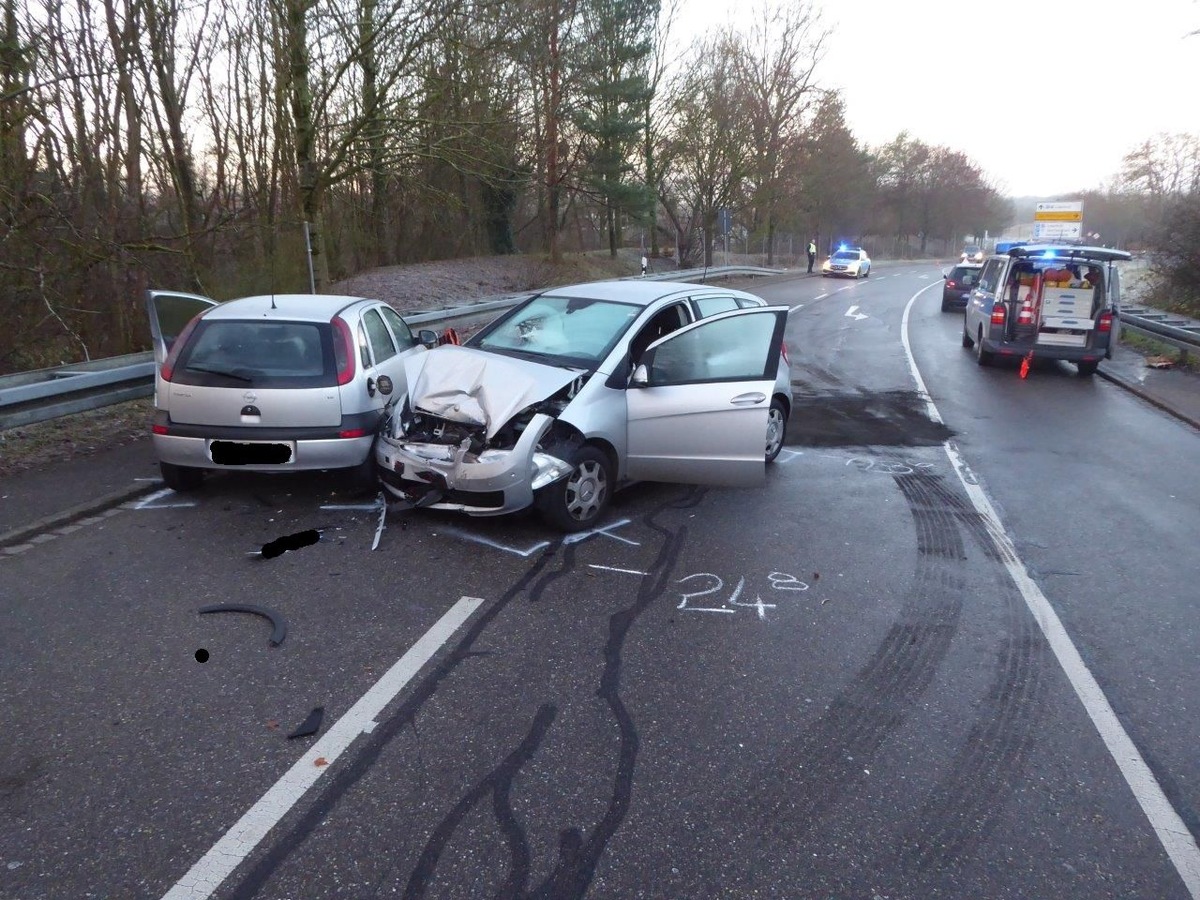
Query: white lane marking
[[1172, 833], [796, 307], [612, 569], [203, 879], [366, 507], [853, 313], [821, 296]]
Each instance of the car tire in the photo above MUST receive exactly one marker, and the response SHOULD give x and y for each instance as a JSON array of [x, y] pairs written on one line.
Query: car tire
[[577, 501], [777, 419], [181, 479], [982, 357], [362, 479], [1087, 368], [967, 340], [867, 274], [945, 306]]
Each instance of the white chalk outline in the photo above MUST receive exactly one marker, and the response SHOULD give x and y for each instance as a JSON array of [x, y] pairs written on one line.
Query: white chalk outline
[[147, 502], [613, 569], [203, 879], [1169, 827]]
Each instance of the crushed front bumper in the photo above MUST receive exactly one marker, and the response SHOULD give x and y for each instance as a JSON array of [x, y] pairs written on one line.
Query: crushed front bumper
[[446, 476]]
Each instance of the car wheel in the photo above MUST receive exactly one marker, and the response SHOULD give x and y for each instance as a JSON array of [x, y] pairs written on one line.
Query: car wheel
[[181, 479], [364, 478], [982, 357], [1087, 368], [967, 340], [867, 274], [777, 419], [577, 501], [945, 306]]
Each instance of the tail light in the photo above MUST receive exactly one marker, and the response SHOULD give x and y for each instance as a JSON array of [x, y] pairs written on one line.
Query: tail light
[[950, 282], [352, 433], [168, 367], [998, 314], [1105, 323], [343, 350], [783, 350]]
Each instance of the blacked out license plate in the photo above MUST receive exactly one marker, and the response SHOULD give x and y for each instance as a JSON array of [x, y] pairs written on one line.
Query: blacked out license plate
[[250, 453]]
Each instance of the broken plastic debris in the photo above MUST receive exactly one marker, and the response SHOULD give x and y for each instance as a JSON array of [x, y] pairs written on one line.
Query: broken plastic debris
[[320, 761], [1159, 362], [278, 633], [311, 725]]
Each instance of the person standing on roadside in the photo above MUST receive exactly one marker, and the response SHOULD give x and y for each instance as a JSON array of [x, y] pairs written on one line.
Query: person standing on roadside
[[812, 255], [645, 265]]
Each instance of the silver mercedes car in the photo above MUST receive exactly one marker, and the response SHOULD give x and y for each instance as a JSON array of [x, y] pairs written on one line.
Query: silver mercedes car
[[582, 389]]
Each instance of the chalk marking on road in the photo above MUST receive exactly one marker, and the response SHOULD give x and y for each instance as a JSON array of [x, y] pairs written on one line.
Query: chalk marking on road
[[517, 551], [791, 454], [612, 569], [150, 501], [1170, 828], [584, 535], [203, 879], [364, 507]]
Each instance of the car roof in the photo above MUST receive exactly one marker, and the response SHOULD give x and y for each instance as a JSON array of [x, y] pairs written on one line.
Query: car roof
[[640, 293], [1069, 251], [284, 307]]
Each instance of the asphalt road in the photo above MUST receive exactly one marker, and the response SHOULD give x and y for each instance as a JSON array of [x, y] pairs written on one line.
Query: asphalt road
[[945, 651]]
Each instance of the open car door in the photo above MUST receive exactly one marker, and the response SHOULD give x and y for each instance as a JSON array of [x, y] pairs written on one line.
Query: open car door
[[170, 311], [698, 400]]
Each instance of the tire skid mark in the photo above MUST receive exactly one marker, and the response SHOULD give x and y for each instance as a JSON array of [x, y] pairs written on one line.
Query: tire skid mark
[[578, 855], [961, 810], [817, 768], [346, 777], [498, 785]]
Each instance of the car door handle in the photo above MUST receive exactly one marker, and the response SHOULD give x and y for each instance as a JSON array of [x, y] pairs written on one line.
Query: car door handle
[[748, 399]]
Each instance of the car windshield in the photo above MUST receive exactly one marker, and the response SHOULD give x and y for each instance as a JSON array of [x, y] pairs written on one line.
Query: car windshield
[[261, 353], [574, 331], [846, 254]]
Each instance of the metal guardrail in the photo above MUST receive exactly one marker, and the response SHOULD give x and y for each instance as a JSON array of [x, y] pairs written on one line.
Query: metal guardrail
[[1176, 331], [44, 394]]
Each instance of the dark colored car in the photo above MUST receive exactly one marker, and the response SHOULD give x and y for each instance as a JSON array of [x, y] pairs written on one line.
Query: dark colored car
[[958, 283]]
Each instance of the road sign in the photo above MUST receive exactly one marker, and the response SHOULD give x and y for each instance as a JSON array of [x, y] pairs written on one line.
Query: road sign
[[1059, 211], [1057, 231]]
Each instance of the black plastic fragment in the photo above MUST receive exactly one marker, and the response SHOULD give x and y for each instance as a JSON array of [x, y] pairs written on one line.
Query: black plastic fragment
[[277, 621], [282, 545], [311, 725]]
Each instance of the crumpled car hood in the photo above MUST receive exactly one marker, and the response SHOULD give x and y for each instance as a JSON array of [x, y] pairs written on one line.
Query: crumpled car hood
[[475, 387]]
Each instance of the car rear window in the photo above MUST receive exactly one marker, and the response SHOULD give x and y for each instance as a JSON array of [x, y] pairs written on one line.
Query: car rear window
[[965, 274], [228, 352]]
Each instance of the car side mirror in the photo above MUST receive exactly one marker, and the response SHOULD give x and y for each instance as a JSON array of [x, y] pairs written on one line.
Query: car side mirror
[[640, 376], [427, 338]]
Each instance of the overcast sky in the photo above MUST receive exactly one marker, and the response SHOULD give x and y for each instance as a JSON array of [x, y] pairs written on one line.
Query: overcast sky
[[1099, 77]]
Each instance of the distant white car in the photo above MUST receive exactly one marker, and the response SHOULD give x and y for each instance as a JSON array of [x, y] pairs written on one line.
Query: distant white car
[[851, 262], [971, 254]]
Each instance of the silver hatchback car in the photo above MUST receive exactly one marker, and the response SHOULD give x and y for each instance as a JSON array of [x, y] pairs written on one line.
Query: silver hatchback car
[[277, 383], [582, 388]]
